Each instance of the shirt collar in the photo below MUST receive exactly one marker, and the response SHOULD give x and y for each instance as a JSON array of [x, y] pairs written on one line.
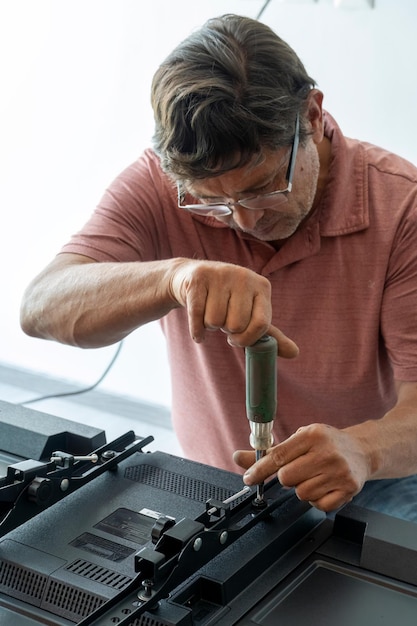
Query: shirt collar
[[344, 203]]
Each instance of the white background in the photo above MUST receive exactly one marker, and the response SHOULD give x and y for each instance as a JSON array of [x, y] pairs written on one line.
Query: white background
[[74, 111]]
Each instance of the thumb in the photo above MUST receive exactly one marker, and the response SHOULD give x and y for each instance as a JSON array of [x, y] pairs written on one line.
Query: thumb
[[287, 348]]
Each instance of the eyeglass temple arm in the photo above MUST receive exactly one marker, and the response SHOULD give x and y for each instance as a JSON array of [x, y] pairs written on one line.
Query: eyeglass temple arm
[[294, 149]]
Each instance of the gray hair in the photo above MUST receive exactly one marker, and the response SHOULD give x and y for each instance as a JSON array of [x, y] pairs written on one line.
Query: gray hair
[[224, 94]]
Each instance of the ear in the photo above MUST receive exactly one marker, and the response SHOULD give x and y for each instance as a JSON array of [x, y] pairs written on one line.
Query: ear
[[314, 115]]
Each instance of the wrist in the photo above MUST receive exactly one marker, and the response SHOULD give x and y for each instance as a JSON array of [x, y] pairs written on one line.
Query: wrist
[[368, 438]]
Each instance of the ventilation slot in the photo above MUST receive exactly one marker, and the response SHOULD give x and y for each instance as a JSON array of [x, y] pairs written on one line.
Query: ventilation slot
[[99, 574], [191, 488], [21, 583], [70, 602]]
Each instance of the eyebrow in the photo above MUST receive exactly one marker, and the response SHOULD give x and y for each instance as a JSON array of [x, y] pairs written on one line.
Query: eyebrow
[[268, 178], [243, 192]]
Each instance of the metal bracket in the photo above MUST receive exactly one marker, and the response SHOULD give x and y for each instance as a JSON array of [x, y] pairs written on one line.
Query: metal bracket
[[31, 486]]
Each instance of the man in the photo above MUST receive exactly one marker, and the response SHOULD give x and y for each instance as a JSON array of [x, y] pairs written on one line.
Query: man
[[253, 214]]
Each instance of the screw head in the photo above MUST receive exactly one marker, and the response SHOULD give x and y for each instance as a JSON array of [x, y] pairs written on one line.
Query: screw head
[[108, 454], [64, 484], [223, 537], [197, 544]]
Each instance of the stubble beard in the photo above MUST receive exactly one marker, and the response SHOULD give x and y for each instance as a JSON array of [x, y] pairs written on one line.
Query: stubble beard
[[276, 225]]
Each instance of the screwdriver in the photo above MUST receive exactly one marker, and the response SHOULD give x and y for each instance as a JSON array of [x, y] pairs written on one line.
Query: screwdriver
[[261, 397]]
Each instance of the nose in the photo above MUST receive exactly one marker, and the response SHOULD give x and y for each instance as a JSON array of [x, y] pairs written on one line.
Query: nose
[[246, 219]]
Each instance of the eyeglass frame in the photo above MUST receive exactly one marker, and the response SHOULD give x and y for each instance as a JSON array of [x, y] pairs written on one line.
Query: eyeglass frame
[[207, 209]]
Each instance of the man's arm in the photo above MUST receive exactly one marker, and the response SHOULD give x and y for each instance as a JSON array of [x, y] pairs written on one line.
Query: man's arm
[[328, 466], [78, 301]]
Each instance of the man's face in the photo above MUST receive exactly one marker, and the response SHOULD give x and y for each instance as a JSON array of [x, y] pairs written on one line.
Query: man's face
[[267, 224]]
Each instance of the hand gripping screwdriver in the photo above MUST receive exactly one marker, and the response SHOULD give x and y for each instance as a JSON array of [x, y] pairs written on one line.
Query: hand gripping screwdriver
[[261, 397]]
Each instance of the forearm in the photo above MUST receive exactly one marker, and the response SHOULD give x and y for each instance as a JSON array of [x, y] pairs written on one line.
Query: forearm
[[96, 304], [390, 443], [80, 302]]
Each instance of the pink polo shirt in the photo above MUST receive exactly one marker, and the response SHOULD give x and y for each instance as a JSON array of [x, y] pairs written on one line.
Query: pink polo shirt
[[344, 287]]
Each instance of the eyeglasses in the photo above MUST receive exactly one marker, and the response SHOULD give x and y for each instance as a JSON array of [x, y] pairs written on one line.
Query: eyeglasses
[[261, 201]]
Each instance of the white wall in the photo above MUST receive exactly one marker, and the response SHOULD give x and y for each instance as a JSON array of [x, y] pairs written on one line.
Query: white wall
[[74, 111]]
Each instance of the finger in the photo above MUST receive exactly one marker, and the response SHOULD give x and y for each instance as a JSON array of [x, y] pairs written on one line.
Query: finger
[[314, 489], [260, 471], [216, 309], [287, 348], [331, 501], [239, 319], [196, 305], [244, 458], [276, 458], [247, 323]]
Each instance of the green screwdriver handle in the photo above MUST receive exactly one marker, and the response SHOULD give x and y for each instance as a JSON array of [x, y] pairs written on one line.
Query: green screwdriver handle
[[261, 380]]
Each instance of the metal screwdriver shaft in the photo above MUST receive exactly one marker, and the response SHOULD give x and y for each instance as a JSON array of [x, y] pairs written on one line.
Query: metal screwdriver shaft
[[260, 487]]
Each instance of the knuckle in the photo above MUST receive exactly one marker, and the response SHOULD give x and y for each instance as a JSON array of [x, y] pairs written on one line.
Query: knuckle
[[266, 284], [235, 327], [302, 493], [285, 478], [278, 456], [318, 436], [315, 430]]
